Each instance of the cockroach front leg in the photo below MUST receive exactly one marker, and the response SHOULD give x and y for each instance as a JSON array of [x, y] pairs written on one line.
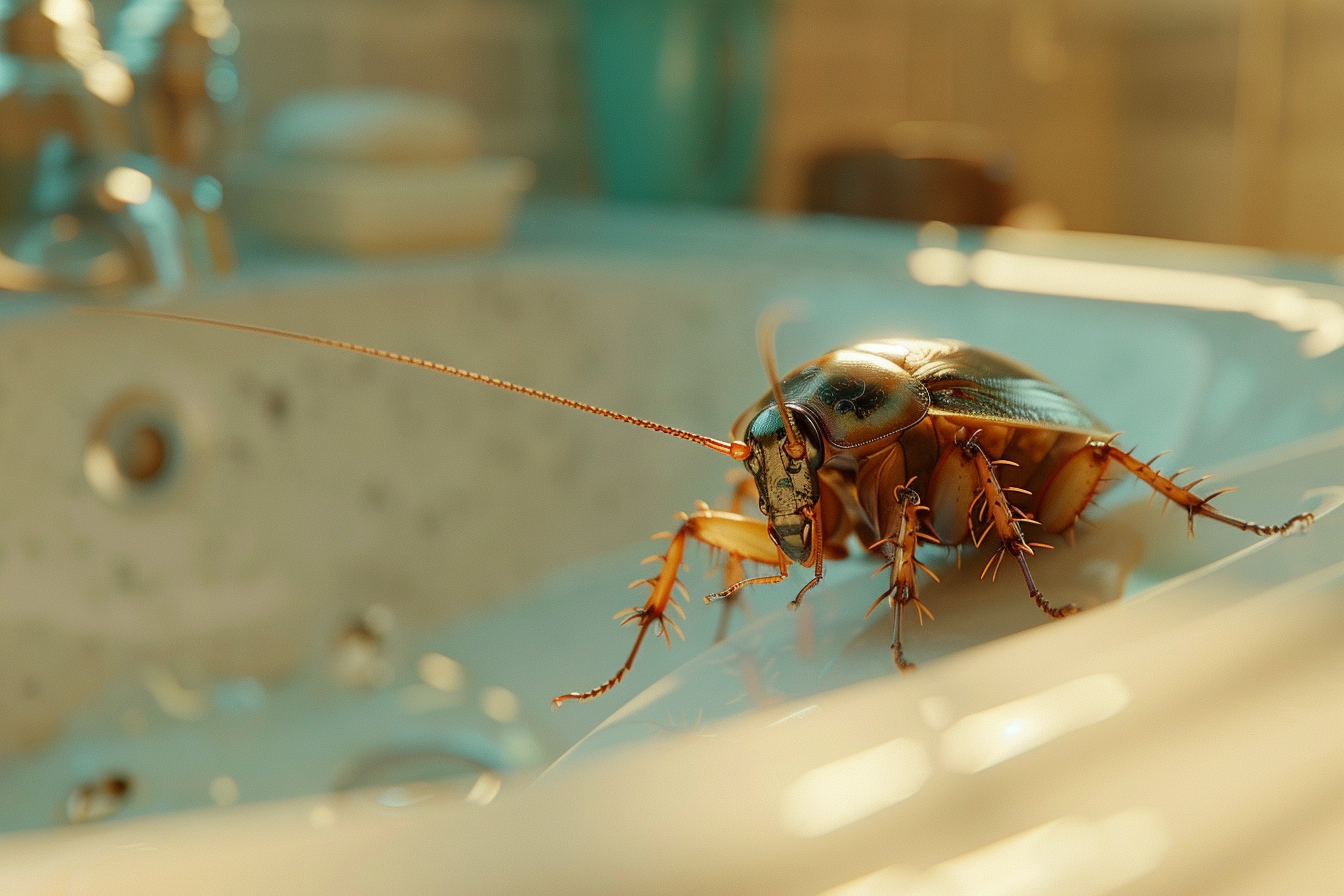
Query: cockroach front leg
[[899, 550], [735, 535], [1004, 519], [744, 488], [1075, 482]]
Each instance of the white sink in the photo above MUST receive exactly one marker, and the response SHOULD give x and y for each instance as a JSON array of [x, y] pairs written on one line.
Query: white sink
[[185, 634]]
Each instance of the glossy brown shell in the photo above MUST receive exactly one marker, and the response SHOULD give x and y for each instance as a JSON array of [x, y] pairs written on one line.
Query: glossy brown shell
[[875, 390]]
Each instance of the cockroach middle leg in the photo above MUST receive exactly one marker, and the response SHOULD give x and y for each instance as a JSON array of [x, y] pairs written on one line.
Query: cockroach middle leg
[[899, 549], [1005, 520]]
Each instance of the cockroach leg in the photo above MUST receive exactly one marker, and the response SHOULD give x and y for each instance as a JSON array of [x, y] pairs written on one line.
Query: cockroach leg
[[610, 683], [728, 592], [899, 549], [737, 536], [1004, 519], [1300, 521], [744, 487], [818, 555], [811, 583], [1183, 496]]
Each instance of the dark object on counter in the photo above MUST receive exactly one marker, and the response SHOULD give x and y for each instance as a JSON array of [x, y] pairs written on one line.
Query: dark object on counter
[[878, 183]]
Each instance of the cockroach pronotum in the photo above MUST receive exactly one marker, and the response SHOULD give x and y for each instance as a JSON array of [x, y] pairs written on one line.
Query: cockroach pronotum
[[899, 442]]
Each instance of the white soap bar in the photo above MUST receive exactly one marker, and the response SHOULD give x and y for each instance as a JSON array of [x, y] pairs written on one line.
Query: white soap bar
[[388, 127], [362, 209]]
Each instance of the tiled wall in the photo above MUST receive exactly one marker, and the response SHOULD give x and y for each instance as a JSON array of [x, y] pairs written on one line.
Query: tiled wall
[[1218, 120], [849, 70], [510, 61]]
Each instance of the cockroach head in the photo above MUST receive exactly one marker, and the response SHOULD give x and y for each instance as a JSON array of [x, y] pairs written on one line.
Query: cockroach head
[[787, 484]]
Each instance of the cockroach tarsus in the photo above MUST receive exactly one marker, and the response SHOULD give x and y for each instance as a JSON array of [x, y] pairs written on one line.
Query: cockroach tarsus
[[899, 442]]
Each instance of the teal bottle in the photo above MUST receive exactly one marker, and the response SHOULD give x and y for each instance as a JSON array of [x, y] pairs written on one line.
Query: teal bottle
[[676, 93]]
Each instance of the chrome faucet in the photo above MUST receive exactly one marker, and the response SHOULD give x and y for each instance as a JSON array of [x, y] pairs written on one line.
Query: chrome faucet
[[106, 170]]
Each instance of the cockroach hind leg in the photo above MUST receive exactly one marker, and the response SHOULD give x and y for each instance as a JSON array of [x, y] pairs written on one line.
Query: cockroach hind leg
[[1050, 609], [1297, 523], [898, 651], [1195, 505]]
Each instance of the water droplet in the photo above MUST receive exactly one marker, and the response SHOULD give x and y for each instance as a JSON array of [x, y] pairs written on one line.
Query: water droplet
[[500, 704], [441, 672], [224, 791]]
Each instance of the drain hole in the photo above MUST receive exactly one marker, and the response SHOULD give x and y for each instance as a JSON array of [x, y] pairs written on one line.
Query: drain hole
[[144, 455], [99, 799], [135, 449]]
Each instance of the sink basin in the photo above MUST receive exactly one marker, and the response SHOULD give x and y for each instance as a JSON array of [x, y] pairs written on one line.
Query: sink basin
[[313, 606]]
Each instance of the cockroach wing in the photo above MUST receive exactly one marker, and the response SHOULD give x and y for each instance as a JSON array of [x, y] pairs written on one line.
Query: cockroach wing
[[967, 381], [857, 397]]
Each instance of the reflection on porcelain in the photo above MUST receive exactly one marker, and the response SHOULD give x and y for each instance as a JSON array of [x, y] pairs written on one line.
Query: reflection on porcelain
[[171, 695], [1281, 302], [939, 266], [936, 711], [418, 699], [847, 790], [485, 789], [1070, 855], [794, 716], [986, 738], [128, 185]]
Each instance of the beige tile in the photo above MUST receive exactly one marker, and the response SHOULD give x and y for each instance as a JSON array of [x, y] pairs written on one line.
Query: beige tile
[[1313, 199], [278, 61], [1179, 183]]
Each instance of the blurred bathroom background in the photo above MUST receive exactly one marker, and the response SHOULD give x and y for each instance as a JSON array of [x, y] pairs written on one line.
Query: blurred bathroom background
[[1213, 120], [1209, 120]]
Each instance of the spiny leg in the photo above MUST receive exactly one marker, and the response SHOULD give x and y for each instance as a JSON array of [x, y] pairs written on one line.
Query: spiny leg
[[1182, 495], [899, 549], [731, 533], [1004, 519], [654, 611]]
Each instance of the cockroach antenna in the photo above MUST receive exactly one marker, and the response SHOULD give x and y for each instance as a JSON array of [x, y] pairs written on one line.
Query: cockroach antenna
[[771, 321], [736, 450]]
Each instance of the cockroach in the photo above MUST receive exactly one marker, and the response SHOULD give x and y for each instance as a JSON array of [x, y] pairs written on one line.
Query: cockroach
[[899, 442]]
